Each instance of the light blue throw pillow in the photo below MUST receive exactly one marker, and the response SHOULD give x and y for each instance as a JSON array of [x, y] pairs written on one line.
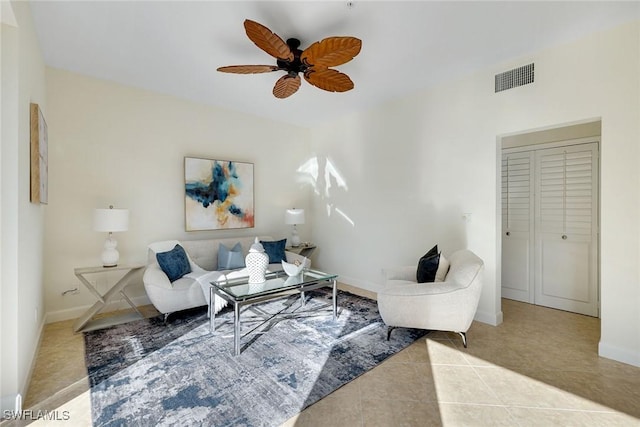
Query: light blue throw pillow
[[174, 263], [230, 259]]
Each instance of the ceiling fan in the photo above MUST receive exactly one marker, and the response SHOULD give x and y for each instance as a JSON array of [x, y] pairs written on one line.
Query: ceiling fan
[[313, 62]]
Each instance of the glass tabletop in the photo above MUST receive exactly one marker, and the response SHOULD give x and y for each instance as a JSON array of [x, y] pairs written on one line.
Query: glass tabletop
[[276, 282]]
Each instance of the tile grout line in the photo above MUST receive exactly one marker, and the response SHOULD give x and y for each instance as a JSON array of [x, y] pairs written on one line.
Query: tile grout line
[[506, 407]]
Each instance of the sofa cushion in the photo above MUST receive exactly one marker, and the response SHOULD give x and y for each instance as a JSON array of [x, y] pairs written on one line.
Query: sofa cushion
[[428, 266], [275, 250], [443, 268], [174, 263], [230, 259]]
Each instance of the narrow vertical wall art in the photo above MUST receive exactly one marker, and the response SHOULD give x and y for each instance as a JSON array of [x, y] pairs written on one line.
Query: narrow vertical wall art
[[218, 194], [39, 192]]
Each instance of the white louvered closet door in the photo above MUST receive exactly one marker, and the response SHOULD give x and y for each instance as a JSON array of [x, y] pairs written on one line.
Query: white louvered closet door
[[517, 226], [566, 233]]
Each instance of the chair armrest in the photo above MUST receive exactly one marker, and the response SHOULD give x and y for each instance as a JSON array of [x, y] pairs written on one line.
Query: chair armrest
[[154, 276], [400, 273], [292, 257], [414, 289]]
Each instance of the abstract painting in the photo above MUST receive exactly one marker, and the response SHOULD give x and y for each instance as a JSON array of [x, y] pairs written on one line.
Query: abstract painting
[[39, 188], [218, 194]]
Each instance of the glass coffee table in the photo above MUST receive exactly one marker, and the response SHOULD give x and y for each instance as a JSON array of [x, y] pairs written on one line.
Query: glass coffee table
[[239, 292]]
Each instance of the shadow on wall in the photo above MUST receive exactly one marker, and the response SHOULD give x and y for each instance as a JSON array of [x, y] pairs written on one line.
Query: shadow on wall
[[397, 221]]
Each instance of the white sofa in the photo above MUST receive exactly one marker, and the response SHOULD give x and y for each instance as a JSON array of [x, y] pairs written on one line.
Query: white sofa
[[192, 290], [440, 306]]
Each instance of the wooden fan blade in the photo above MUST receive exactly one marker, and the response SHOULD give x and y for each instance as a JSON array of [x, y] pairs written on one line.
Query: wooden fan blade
[[248, 69], [286, 86], [331, 52], [268, 41], [327, 79]]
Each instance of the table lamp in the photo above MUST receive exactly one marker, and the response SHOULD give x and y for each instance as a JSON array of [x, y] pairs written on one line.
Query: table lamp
[[294, 217], [110, 220]]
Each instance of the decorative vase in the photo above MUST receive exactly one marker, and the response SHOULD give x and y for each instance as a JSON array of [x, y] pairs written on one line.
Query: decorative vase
[[257, 262], [255, 288], [293, 269]]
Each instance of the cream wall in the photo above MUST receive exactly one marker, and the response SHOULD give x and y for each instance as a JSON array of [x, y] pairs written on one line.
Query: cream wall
[[413, 167], [112, 144], [21, 222]]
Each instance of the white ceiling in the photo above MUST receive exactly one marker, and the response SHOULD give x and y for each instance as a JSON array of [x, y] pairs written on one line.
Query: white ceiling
[[174, 47]]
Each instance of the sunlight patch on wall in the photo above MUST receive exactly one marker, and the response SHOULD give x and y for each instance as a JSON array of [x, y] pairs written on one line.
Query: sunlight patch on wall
[[323, 175], [309, 172], [312, 171], [331, 172], [345, 216]]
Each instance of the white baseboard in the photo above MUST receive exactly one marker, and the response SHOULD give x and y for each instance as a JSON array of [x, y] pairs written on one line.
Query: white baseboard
[[32, 365], [10, 403], [362, 284], [620, 354], [493, 319], [75, 312]]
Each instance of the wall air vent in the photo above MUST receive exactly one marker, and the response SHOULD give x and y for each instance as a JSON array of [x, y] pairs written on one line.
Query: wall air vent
[[513, 78]]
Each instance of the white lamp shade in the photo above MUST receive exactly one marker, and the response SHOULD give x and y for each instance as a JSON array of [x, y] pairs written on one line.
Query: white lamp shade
[[111, 220], [294, 216]]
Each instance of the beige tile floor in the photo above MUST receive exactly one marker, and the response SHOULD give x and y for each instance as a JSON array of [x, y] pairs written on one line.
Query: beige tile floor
[[539, 368]]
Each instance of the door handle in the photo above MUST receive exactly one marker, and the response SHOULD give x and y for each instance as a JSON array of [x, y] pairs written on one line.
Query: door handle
[[564, 237], [508, 233]]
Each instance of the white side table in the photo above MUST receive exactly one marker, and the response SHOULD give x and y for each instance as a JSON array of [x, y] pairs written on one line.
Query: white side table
[[84, 322], [305, 249]]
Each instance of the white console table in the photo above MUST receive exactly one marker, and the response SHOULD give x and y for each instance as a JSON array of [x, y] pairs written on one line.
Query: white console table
[[85, 322]]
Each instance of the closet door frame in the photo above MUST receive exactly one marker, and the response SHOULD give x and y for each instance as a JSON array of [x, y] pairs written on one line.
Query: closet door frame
[[595, 267]]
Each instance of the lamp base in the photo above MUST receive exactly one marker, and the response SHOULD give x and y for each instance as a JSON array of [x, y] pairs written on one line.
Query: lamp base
[[110, 255], [295, 239]]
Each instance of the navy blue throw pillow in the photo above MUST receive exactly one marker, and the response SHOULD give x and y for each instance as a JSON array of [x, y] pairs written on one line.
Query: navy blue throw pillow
[[428, 266], [174, 263], [275, 250]]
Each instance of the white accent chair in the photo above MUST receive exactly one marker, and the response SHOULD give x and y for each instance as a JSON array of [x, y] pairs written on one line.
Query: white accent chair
[[440, 306], [192, 290]]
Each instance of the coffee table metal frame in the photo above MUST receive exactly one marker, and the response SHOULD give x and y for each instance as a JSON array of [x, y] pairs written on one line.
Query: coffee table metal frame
[[240, 293]]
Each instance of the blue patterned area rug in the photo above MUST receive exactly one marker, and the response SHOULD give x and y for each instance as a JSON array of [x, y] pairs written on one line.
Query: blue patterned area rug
[[145, 373]]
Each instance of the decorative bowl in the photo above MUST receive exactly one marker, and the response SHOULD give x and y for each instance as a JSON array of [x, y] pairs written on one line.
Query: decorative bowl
[[293, 280], [292, 269]]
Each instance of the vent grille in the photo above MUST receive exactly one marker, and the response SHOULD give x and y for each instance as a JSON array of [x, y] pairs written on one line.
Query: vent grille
[[513, 78]]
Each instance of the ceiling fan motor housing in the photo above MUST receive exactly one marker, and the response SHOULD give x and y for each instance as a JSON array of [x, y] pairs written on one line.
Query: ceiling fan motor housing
[[296, 66]]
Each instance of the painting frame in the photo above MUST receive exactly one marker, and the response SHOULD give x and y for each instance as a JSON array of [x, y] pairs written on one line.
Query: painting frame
[[39, 175], [219, 194]]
